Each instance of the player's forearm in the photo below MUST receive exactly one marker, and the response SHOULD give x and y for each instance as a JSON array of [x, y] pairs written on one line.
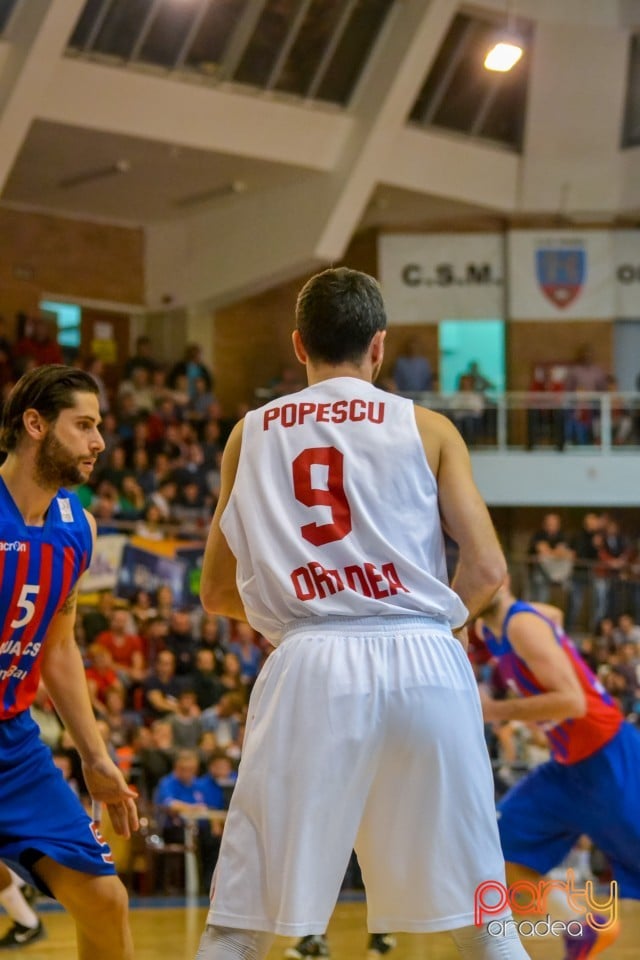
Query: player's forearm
[[476, 583], [545, 707], [223, 600], [64, 677]]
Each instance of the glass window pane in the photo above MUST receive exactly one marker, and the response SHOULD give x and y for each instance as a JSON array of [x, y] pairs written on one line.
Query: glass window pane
[[309, 46], [6, 9], [215, 32], [353, 50], [121, 27], [266, 42], [168, 31], [85, 23]]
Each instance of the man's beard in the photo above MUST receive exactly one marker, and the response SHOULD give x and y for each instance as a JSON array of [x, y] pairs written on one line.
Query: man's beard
[[55, 465]]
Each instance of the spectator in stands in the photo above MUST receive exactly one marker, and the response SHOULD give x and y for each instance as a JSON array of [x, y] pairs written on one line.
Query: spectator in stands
[[141, 468], [123, 724], [613, 554], [141, 607], [212, 637], [110, 435], [186, 724], [224, 719], [468, 409], [161, 688], [38, 344], [179, 794], [141, 357], [152, 524], [164, 601], [165, 498], [216, 789], [126, 649], [139, 388], [550, 557], [182, 641], [243, 644], [154, 632], [585, 374], [412, 371], [231, 674], [155, 755], [626, 631], [204, 679], [193, 367], [101, 676], [98, 618], [585, 546], [95, 368]]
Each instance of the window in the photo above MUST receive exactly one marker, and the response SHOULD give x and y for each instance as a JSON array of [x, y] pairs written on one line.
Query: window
[[68, 321]]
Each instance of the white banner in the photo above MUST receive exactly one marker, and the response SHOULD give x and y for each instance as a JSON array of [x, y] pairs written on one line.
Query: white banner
[[561, 275], [447, 276], [626, 258], [105, 563]]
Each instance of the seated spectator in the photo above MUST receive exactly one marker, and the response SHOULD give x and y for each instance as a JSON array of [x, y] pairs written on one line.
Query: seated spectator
[[224, 719], [179, 794], [126, 648], [231, 675], [141, 468], [204, 680], [101, 676], [626, 631], [193, 367], [164, 602], [123, 724], [243, 644], [216, 786], [140, 393], [141, 607], [181, 640], [186, 724], [141, 357], [37, 344], [155, 755], [152, 524], [98, 619], [161, 688]]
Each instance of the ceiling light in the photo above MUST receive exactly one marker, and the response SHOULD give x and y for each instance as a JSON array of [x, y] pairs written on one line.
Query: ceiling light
[[504, 55]]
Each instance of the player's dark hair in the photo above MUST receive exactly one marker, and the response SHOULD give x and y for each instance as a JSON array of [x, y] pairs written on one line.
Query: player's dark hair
[[47, 389], [338, 312]]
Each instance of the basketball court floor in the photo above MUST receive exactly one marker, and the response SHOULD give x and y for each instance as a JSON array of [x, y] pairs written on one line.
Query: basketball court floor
[[174, 932]]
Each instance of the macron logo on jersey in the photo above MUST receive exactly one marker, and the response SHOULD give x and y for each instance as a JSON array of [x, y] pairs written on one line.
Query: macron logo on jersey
[[15, 545], [66, 513]]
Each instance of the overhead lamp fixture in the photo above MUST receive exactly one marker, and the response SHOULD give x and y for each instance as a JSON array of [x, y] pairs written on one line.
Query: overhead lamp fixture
[[504, 55], [508, 47]]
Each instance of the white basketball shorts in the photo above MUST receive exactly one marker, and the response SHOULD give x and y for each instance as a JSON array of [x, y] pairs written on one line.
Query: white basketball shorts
[[367, 734]]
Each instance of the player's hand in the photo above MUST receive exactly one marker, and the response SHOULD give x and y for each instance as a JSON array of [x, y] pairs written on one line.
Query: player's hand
[[107, 785], [489, 705], [462, 634]]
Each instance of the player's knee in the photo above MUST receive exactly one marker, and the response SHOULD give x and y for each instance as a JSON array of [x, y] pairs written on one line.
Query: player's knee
[[109, 899]]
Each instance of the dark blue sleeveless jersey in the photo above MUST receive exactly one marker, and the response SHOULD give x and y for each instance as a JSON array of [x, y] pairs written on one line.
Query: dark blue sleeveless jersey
[[39, 566]]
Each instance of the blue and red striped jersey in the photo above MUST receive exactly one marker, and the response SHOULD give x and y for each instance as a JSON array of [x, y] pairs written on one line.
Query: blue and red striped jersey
[[570, 740], [39, 566]]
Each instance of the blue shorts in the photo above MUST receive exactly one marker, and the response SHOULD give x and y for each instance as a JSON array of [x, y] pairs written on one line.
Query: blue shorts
[[39, 813], [541, 818]]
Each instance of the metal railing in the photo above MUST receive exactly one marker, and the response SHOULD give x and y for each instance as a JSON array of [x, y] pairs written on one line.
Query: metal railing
[[522, 420]]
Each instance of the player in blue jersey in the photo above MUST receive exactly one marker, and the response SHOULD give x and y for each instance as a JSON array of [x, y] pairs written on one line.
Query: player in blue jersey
[[50, 433], [591, 784]]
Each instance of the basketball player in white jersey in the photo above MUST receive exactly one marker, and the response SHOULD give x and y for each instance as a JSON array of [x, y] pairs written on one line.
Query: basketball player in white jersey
[[364, 727]]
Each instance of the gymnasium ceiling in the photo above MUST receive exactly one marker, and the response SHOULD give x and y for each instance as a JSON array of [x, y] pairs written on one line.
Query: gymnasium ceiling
[[251, 139]]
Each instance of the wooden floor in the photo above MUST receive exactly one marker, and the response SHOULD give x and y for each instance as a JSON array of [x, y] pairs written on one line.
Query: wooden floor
[[174, 933]]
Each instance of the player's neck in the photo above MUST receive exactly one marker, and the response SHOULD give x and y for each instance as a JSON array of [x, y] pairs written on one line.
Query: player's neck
[[316, 373], [30, 498]]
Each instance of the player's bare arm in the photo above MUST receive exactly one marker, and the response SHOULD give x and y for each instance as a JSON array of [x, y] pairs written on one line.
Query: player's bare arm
[[64, 676], [482, 567], [534, 642], [218, 590]]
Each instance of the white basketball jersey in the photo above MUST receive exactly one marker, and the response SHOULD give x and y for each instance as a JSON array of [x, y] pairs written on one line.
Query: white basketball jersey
[[334, 511]]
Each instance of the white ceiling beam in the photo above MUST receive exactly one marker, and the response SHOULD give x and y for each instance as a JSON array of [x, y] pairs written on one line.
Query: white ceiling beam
[[443, 165], [571, 159], [601, 13], [126, 101], [37, 36], [387, 91]]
